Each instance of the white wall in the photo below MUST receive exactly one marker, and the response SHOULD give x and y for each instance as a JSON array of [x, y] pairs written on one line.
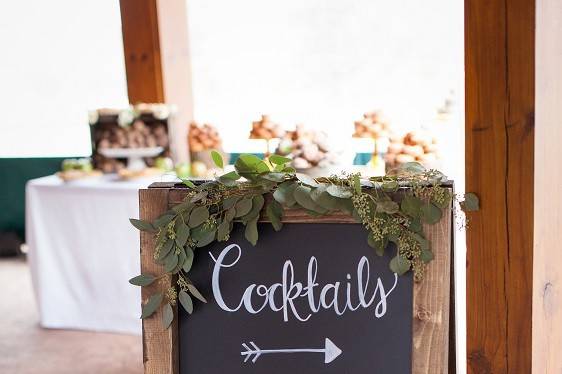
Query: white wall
[[59, 59]]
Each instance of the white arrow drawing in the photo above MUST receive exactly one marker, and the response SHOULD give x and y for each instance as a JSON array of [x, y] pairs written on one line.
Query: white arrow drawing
[[330, 350]]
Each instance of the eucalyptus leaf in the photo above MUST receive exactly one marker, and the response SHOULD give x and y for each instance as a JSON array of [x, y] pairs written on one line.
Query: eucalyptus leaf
[[207, 239], [152, 304], [167, 315], [230, 214], [399, 265], [250, 166], [284, 194], [415, 225], [424, 243], [243, 207], [279, 160], [188, 260], [229, 202], [166, 249], [199, 196], [302, 196], [274, 177], [170, 262], [274, 212], [217, 159], [185, 301], [390, 186], [387, 206], [339, 191], [195, 292], [142, 225], [188, 183], [198, 216], [412, 167], [378, 245], [471, 202], [430, 213], [357, 184], [223, 230], [309, 181], [443, 204], [185, 206], [182, 257], [230, 176], [164, 219], [426, 256], [142, 280], [182, 233], [411, 206], [251, 231]]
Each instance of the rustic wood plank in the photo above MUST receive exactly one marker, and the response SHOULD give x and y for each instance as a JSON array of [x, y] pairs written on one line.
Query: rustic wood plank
[[430, 348], [547, 262], [160, 347], [499, 53]]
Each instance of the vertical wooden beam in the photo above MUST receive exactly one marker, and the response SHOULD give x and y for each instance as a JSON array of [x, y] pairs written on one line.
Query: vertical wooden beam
[[547, 262], [157, 61], [499, 65]]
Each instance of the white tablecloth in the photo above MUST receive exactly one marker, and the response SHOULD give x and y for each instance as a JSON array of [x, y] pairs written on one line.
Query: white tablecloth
[[83, 251]]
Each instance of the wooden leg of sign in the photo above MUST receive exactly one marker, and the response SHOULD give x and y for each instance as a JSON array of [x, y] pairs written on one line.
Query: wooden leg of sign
[[431, 304], [159, 352], [500, 101], [547, 269]]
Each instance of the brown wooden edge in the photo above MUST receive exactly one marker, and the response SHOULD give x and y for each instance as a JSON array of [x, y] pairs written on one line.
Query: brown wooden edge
[[432, 297]]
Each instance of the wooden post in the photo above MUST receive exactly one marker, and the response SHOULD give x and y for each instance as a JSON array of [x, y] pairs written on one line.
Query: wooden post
[[500, 100], [547, 269], [157, 61]]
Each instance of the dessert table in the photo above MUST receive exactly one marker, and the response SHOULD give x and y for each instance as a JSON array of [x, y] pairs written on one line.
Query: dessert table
[[83, 250]]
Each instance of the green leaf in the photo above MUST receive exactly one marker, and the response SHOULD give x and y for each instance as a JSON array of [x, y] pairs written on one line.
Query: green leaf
[[250, 166], [188, 263], [207, 239], [257, 205], [230, 176], [279, 160], [399, 265], [164, 219], [412, 167], [185, 301], [324, 199], [199, 196], [188, 183], [284, 194], [289, 170], [378, 245], [150, 307], [142, 225], [274, 177], [357, 184], [142, 280], [302, 196], [170, 262], [229, 202], [182, 257], [339, 191], [430, 213], [251, 232], [243, 207], [424, 243], [167, 315], [390, 186], [230, 214], [274, 212], [387, 206], [183, 207], [411, 206], [166, 248], [182, 233], [309, 181], [195, 292], [415, 225], [223, 230], [198, 216], [426, 256], [217, 159], [471, 202]]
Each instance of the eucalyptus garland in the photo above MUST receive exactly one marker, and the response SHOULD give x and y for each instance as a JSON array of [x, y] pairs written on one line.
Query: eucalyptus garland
[[210, 209]]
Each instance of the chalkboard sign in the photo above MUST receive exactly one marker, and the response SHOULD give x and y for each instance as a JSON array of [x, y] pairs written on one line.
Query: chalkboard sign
[[314, 298]]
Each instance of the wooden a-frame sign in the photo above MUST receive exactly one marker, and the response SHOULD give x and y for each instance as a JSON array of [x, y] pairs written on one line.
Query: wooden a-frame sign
[[429, 323]]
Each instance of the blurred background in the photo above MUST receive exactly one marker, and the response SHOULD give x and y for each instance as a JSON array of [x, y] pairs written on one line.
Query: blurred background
[[362, 86]]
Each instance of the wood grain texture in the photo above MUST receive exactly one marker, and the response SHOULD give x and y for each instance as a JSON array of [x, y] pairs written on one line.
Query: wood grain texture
[[160, 348], [499, 65], [432, 304], [547, 262], [158, 62]]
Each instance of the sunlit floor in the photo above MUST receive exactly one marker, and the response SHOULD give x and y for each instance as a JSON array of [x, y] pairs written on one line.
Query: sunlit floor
[[26, 348]]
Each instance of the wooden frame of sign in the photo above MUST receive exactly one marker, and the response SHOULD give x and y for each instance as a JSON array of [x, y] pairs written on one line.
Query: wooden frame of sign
[[433, 337]]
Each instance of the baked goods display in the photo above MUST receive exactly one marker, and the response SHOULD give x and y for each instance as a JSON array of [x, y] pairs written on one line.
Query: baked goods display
[[307, 148], [144, 126], [414, 146], [203, 137], [266, 129], [372, 125]]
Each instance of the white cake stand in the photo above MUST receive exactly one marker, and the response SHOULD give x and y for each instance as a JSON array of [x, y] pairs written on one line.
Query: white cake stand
[[134, 156]]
